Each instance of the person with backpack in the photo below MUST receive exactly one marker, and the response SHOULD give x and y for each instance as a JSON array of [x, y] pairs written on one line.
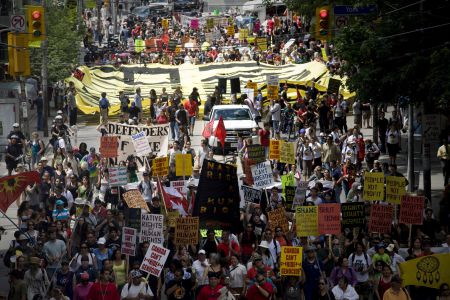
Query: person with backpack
[[104, 107], [361, 264], [136, 288]]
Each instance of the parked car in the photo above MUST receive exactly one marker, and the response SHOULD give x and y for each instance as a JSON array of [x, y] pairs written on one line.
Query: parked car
[[185, 5]]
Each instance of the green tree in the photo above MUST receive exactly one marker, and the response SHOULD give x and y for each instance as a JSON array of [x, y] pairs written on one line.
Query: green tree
[[64, 38]]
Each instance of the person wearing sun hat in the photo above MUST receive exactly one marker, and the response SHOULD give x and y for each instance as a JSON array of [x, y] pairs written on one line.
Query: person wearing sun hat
[[136, 288], [36, 279]]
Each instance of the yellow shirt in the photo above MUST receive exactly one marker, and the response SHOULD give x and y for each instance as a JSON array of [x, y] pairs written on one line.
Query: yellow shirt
[[391, 295]]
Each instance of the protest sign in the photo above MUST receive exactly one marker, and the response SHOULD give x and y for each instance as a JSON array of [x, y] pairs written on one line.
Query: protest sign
[[230, 30], [277, 218], [395, 189], [157, 136], [381, 217], [243, 34], [187, 231], [141, 144], [180, 186], [217, 198], [129, 236], [183, 164], [306, 221], [274, 149], [256, 154], [210, 23], [262, 174], [287, 180], [194, 24], [152, 226], [160, 166], [291, 261], [165, 23], [254, 86], [154, 260], [353, 215], [411, 209], [431, 271], [300, 194], [287, 154], [373, 186], [272, 92], [249, 93], [251, 195], [172, 218], [272, 79], [118, 176], [289, 195], [261, 42], [109, 146], [134, 199], [330, 218]]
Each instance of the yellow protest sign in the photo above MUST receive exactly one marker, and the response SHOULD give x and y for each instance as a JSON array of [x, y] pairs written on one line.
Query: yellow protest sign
[[254, 86], [209, 23], [160, 166], [430, 271], [307, 220], [165, 23], [287, 154], [261, 43], [272, 92], [172, 218], [274, 149], [243, 34], [186, 231], [291, 261], [183, 165], [139, 45], [373, 186], [230, 30], [395, 189]]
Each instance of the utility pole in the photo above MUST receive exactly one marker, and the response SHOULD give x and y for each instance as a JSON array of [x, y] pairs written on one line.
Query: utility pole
[[44, 75], [375, 123], [411, 178]]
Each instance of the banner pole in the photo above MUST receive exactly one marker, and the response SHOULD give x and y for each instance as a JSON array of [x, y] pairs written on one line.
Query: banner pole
[[409, 235], [162, 194]]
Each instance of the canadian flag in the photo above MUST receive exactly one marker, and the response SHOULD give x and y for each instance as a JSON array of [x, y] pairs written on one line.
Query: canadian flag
[[173, 199]]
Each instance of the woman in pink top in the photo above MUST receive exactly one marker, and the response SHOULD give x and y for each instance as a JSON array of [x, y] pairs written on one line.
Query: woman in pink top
[[82, 289]]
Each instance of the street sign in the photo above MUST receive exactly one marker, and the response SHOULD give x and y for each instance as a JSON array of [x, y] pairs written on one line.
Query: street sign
[[341, 21], [352, 10], [17, 23]]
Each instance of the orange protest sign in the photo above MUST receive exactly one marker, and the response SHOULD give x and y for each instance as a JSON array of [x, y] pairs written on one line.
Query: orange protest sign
[[381, 217], [109, 146], [277, 218], [134, 199], [274, 149], [160, 166], [330, 218], [411, 209], [186, 231]]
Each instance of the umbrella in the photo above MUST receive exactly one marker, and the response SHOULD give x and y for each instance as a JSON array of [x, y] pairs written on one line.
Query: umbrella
[[205, 46]]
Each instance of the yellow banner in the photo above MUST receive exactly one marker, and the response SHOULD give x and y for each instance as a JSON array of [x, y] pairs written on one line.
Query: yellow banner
[[373, 186], [395, 189], [287, 154], [274, 149], [291, 261], [183, 165], [430, 271], [307, 220]]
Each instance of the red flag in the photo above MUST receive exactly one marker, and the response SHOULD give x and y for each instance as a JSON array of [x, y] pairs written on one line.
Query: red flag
[[221, 132], [12, 186], [173, 199]]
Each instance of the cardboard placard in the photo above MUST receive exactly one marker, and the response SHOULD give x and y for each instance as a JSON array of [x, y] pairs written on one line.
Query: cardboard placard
[[160, 166], [277, 218], [353, 215], [129, 238], [243, 34], [262, 174], [154, 259], [109, 146], [287, 153], [273, 79], [261, 43], [254, 86], [274, 149], [411, 209], [118, 176], [330, 218], [395, 189], [152, 228], [256, 154], [291, 261], [306, 221], [141, 144], [134, 199], [183, 164], [187, 231], [251, 195], [373, 186], [381, 217]]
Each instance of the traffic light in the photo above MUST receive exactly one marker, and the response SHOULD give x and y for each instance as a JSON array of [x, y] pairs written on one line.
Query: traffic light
[[323, 23], [36, 23]]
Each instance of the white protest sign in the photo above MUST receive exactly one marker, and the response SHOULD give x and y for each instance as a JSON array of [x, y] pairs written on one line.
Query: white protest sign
[[300, 194], [152, 226], [262, 174], [251, 195], [180, 186], [272, 80], [154, 259], [129, 236], [141, 144], [118, 176]]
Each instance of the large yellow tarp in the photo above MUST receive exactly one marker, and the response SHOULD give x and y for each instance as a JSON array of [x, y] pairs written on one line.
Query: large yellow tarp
[[111, 80]]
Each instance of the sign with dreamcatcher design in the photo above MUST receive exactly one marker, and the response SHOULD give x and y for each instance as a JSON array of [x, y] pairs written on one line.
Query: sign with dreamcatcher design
[[430, 271]]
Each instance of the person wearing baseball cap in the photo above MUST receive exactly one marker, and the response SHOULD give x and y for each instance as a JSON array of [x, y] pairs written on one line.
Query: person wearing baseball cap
[[200, 266], [137, 288]]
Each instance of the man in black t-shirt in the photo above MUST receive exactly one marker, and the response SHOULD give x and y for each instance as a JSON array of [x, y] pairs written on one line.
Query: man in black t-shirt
[[179, 288]]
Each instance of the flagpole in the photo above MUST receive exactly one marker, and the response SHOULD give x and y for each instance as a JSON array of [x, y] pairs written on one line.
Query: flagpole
[[162, 195]]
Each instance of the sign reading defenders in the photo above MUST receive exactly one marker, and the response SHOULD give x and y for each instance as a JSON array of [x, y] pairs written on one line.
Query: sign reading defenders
[[186, 231], [373, 186], [291, 261]]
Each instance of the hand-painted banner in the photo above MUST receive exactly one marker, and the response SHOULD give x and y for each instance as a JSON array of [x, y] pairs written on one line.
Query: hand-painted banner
[[251, 195], [256, 154], [287, 154], [373, 186], [381, 217], [129, 238], [118, 176], [431, 271], [395, 188], [291, 261], [160, 166], [306, 221], [134, 199], [330, 218], [411, 209], [353, 215]]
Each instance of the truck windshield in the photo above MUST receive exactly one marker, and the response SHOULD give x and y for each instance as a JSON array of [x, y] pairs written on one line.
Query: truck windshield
[[232, 114]]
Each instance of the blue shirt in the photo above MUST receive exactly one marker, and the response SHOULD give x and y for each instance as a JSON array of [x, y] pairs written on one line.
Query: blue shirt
[[101, 257], [60, 215]]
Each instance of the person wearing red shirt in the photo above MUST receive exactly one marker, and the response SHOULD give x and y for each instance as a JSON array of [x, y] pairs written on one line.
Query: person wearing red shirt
[[258, 267], [103, 289], [261, 290], [212, 290], [227, 245], [192, 108], [264, 137]]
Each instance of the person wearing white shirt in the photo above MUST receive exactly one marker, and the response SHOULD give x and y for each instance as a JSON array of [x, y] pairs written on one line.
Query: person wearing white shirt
[[201, 266], [350, 152], [238, 274], [137, 288], [344, 291], [395, 258], [274, 245], [275, 110]]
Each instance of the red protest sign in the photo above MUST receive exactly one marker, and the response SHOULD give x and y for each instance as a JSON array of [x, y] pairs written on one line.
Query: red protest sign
[[330, 218], [411, 209], [109, 146], [381, 217]]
